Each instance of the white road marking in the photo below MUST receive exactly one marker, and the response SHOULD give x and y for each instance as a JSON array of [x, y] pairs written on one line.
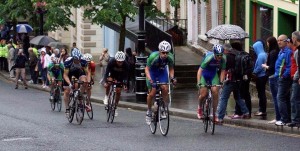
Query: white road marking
[[16, 139]]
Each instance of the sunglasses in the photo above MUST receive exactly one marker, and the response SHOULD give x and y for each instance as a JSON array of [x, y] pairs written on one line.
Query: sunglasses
[[165, 52], [218, 55]]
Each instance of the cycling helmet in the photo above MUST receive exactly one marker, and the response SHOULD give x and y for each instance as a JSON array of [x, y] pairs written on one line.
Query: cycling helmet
[[218, 49], [120, 56], [164, 46], [55, 60], [88, 57], [76, 54]]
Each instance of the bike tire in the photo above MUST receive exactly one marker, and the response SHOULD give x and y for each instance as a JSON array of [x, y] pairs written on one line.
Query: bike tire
[[80, 110], [58, 99], [109, 106], [52, 102], [211, 118], [164, 122], [72, 109], [153, 125], [205, 115], [113, 109], [90, 113]]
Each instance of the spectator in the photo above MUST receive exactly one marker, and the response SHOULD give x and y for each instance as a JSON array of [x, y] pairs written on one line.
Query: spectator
[[64, 55], [103, 61], [295, 97], [44, 62], [33, 60], [73, 46], [3, 55], [11, 58], [283, 72], [273, 51], [261, 77], [244, 85], [20, 67]]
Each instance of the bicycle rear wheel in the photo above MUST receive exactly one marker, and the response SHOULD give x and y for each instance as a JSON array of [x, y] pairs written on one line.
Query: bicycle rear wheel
[[58, 99], [72, 109], [211, 117], [80, 110], [163, 118], [205, 115], [90, 113]]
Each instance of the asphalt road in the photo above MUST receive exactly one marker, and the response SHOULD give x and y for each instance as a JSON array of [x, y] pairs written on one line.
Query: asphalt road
[[27, 123]]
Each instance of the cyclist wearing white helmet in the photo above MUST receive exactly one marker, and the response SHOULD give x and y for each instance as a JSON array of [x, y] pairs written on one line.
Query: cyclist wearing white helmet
[[78, 67], [156, 70], [55, 72], [208, 74], [117, 71], [92, 68]]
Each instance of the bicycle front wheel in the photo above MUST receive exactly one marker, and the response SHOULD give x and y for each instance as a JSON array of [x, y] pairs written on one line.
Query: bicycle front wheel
[[163, 118], [58, 99], [79, 110], [52, 102], [110, 106], [90, 113], [211, 114], [72, 109], [205, 120]]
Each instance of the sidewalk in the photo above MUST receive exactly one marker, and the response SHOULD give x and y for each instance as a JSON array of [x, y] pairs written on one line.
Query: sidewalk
[[184, 103]]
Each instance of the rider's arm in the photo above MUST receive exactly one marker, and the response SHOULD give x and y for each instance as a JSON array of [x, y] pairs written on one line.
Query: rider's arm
[[147, 72], [66, 77], [171, 72], [199, 74], [88, 73]]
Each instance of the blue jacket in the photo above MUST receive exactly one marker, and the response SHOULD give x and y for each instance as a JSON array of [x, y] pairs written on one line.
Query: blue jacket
[[283, 63], [258, 70]]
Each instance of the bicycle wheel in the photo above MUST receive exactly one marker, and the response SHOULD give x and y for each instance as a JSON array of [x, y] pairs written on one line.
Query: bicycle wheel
[[205, 115], [113, 109], [211, 117], [58, 98], [52, 102], [79, 110], [109, 105], [163, 118], [72, 109], [153, 124], [90, 113]]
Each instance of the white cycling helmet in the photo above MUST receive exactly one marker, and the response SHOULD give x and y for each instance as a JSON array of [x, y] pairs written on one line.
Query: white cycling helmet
[[120, 56], [76, 54], [164, 46], [88, 57]]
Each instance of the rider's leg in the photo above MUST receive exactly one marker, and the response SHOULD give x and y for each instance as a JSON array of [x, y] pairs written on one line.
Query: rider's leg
[[66, 96], [215, 95], [165, 93], [118, 95]]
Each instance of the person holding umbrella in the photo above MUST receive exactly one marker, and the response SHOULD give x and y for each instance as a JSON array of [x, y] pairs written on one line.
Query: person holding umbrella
[[20, 68]]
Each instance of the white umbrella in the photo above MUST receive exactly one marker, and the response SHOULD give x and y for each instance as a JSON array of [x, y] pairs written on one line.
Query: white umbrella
[[24, 28], [227, 32]]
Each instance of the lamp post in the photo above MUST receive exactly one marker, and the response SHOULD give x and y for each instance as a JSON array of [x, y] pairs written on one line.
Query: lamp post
[[40, 9]]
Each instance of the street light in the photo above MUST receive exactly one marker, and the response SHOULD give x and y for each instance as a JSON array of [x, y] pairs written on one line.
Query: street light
[[40, 9]]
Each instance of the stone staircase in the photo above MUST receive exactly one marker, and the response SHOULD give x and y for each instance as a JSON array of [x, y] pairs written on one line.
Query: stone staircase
[[186, 76]]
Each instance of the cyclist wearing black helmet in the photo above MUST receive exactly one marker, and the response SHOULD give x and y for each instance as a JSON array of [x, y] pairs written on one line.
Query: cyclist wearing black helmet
[[208, 74]]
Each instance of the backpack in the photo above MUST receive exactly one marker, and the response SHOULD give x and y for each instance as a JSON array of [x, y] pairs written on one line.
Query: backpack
[[243, 64]]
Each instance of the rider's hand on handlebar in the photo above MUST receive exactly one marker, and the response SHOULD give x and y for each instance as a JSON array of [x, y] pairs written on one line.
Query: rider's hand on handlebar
[[174, 81], [70, 86]]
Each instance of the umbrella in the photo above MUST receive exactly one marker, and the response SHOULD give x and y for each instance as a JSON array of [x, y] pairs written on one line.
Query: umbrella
[[42, 40], [24, 28], [227, 32], [56, 44]]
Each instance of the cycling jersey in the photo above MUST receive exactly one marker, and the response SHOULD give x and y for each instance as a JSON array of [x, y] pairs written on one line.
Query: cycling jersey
[[92, 67], [56, 70], [76, 70], [210, 67], [119, 73], [157, 67]]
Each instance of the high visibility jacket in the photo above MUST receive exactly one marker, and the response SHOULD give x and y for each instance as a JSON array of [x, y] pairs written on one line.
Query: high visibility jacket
[[3, 51]]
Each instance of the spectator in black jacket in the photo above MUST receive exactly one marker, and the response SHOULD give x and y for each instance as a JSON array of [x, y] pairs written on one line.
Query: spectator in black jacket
[[20, 67]]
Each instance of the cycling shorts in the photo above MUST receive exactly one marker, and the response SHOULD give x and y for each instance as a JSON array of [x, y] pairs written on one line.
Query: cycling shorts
[[158, 75], [212, 79]]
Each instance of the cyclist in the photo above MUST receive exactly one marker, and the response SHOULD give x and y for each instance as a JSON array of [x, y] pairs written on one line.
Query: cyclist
[[55, 72], [208, 73], [92, 68], [78, 67], [117, 71], [156, 70]]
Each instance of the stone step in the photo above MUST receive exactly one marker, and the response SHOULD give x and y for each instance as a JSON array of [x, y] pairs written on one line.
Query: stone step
[[187, 80], [185, 74], [186, 68]]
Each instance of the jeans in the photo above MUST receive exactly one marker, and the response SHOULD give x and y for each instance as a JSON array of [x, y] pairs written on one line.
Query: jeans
[[273, 83], [227, 89], [295, 102], [283, 97], [245, 95], [261, 90]]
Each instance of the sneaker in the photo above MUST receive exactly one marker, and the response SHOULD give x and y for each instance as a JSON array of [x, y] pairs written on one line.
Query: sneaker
[[16, 87], [200, 113], [116, 112], [148, 117], [272, 122], [279, 123], [43, 86], [30, 81], [19, 80], [88, 108], [260, 114], [105, 100], [163, 115], [246, 116], [26, 87], [235, 116], [67, 113]]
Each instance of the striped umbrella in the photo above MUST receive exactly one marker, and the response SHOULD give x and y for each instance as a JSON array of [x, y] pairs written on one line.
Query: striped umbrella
[[24, 28], [227, 32]]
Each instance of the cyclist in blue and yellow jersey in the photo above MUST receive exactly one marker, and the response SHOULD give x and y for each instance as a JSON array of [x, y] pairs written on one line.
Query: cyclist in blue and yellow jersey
[[55, 72], [78, 67], [208, 73], [156, 70]]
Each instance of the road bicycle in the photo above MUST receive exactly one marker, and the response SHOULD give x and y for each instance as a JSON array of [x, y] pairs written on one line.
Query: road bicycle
[[208, 110], [90, 113], [77, 101], [111, 106], [160, 114], [56, 94]]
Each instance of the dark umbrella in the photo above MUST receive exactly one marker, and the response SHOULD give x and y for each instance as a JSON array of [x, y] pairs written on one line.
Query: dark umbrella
[[42, 40], [227, 32], [56, 44]]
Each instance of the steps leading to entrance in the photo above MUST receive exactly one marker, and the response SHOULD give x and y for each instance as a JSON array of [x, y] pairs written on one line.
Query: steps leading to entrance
[[186, 76]]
